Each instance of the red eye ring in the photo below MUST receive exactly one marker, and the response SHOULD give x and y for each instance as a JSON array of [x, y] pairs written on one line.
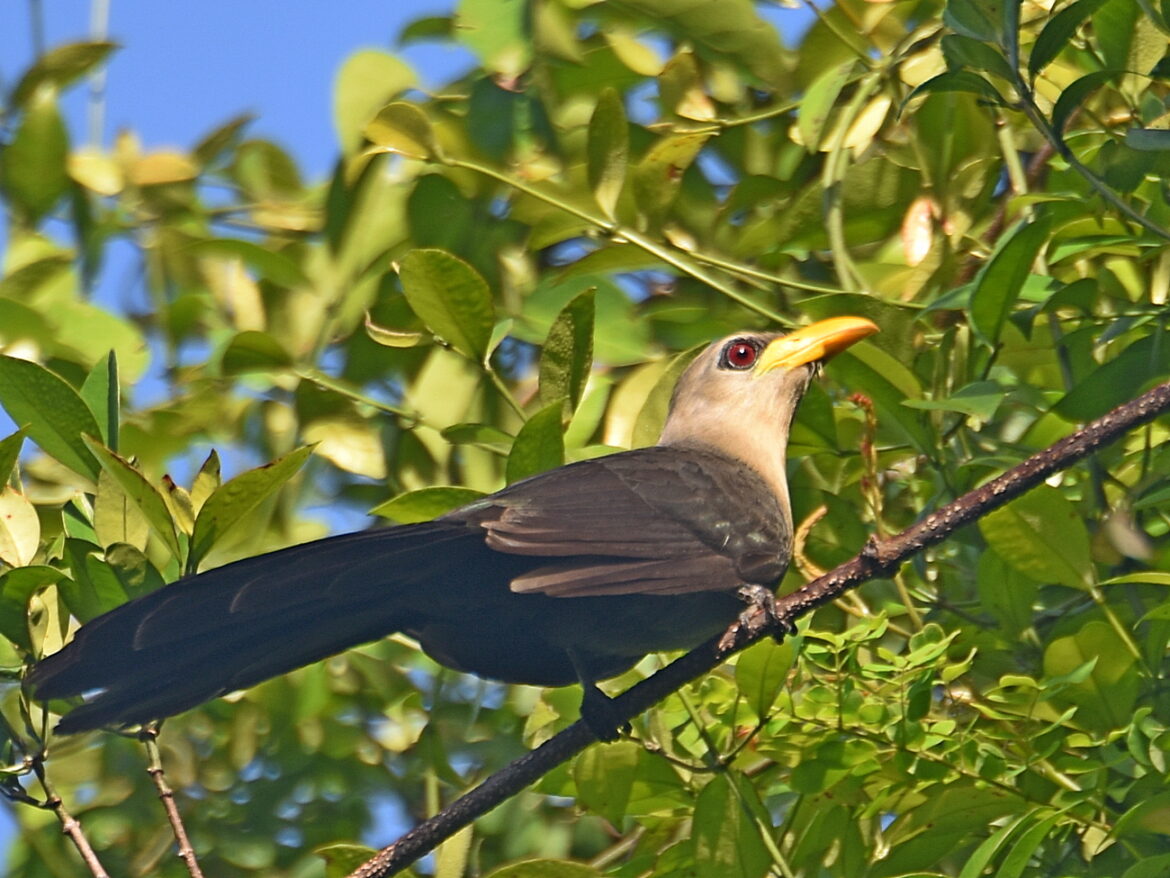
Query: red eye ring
[[740, 354]]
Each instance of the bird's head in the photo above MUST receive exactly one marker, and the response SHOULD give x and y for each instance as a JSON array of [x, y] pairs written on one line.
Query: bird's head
[[740, 394]]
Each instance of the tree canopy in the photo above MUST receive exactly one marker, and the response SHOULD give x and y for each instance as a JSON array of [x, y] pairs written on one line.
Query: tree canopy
[[508, 273]]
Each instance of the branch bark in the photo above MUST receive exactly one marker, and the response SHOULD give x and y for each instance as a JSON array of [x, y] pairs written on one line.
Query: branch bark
[[877, 559]]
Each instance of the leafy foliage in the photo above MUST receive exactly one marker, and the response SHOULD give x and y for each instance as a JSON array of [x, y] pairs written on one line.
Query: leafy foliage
[[496, 279]]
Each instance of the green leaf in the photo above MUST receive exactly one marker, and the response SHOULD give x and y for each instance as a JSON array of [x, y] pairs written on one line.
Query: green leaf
[[102, 395], [539, 446], [9, 454], [61, 66], [732, 30], [237, 497], [1105, 696], [402, 128], [1148, 139], [486, 434], [566, 358], [1058, 32], [212, 145], [425, 503], [1148, 577], [206, 481], [254, 351], [497, 31], [115, 518], [140, 492], [961, 81], [20, 528], [1155, 866], [980, 399], [16, 589], [608, 150], [133, 570], [651, 417], [1008, 595], [726, 832], [94, 587], [51, 411], [32, 165], [269, 264], [1116, 380], [604, 776], [1041, 535], [1074, 96], [659, 174], [391, 338], [367, 80], [760, 673], [544, 869], [342, 859], [977, 19], [982, 856], [451, 298], [1025, 847], [878, 377], [964, 53], [998, 284], [819, 102]]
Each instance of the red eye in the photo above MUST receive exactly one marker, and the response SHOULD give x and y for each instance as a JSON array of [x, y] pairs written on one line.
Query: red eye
[[740, 355]]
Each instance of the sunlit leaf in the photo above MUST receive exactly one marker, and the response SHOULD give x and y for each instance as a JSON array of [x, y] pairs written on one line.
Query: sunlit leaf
[[566, 357], [1041, 535], [237, 497], [140, 492], [451, 298], [51, 411], [367, 80], [402, 128], [608, 151], [33, 171], [539, 445], [20, 528], [424, 504]]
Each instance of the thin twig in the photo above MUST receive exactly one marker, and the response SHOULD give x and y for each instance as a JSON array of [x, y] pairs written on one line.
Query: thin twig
[[878, 559], [69, 824], [149, 738]]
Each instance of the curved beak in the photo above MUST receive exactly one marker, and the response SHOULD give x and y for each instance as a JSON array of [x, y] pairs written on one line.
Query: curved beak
[[817, 342]]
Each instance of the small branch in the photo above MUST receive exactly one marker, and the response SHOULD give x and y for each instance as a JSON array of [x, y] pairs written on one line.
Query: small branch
[[69, 824], [149, 738], [877, 558]]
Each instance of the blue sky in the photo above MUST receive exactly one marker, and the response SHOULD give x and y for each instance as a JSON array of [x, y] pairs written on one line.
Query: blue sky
[[186, 67]]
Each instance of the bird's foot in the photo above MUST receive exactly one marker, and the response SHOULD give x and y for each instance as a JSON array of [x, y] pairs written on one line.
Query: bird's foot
[[600, 714], [760, 614]]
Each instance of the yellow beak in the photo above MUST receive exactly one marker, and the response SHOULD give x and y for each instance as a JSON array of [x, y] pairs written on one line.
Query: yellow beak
[[818, 341]]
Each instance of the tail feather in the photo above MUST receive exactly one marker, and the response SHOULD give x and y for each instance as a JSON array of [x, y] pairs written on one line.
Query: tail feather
[[243, 623]]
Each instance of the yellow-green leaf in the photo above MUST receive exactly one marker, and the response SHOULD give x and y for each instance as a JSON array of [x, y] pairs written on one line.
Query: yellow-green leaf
[[235, 498], [451, 298], [140, 492], [51, 411], [425, 503], [20, 529], [402, 128], [1041, 535]]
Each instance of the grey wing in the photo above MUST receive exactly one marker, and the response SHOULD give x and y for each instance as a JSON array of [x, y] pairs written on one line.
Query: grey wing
[[652, 521]]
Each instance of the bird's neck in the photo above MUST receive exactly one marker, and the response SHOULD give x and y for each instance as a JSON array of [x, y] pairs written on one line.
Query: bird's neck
[[761, 451]]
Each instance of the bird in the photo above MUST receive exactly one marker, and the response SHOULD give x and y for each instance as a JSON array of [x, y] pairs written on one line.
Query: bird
[[569, 576]]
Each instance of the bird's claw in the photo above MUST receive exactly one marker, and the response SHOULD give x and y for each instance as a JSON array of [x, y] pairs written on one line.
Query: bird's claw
[[760, 614], [600, 714]]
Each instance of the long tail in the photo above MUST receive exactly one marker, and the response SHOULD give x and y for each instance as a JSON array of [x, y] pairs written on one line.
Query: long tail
[[243, 623]]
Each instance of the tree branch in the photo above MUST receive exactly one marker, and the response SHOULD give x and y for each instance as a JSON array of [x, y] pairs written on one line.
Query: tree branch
[[877, 558], [149, 738]]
